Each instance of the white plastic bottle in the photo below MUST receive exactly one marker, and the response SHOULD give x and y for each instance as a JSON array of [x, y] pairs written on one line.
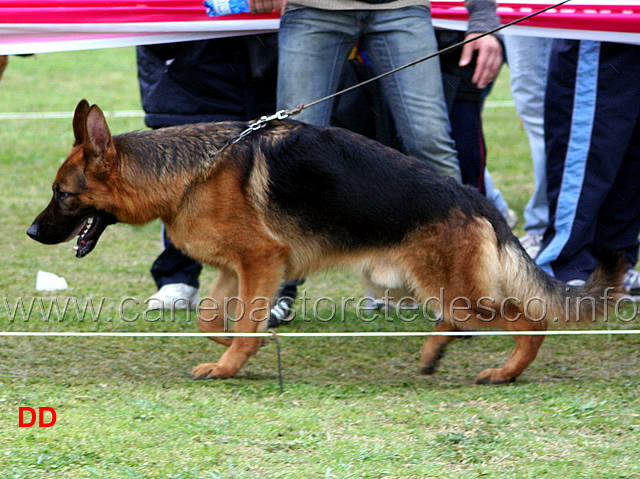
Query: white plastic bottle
[[217, 8]]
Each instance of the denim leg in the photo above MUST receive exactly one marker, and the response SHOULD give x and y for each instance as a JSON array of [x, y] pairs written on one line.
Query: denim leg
[[528, 59], [494, 194], [313, 46], [415, 95]]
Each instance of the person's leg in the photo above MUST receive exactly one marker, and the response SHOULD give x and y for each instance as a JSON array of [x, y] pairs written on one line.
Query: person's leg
[[282, 309], [495, 195], [619, 120], [619, 218], [173, 266], [466, 131], [415, 95], [528, 59], [313, 46], [177, 277], [569, 115], [589, 125]]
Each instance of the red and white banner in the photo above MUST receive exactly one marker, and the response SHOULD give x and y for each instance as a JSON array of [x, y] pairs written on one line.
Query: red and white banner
[[36, 26], [613, 20]]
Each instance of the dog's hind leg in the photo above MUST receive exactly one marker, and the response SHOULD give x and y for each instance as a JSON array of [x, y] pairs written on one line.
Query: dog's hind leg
[[527, 348], [433, 348], [213, 316]]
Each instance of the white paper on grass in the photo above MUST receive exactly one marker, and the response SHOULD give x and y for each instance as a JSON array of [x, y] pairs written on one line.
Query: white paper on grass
[[50, 282]]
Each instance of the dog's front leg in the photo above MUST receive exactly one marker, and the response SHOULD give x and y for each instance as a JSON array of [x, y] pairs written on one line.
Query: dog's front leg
[[209, 318], [259, 282]]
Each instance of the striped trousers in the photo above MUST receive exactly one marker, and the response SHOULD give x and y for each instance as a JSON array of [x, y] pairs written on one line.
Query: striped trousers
[[592, 138]]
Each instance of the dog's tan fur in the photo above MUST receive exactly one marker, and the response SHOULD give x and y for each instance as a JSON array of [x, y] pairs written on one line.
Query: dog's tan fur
[[222, 209]]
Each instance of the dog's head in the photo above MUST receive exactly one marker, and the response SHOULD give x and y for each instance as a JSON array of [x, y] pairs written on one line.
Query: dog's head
[[80, 203]]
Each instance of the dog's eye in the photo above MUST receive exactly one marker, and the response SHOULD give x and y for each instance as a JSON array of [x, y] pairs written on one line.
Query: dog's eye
[[63, 195]]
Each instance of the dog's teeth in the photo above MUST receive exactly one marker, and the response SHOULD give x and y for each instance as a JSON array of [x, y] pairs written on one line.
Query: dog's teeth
[[76, 248], [86, 228]]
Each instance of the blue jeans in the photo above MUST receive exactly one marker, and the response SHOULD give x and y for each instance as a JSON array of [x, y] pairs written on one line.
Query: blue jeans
[[528, 59], [313, 46], [494, 194]]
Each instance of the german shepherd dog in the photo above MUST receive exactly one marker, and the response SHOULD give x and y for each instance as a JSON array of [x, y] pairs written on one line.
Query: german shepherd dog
[[291, 199]]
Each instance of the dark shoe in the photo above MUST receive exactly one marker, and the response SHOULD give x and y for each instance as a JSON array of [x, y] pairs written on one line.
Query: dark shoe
[[281, 312]]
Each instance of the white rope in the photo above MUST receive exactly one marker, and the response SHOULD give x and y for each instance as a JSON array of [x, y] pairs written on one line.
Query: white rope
[[315, 334], [57, 115]]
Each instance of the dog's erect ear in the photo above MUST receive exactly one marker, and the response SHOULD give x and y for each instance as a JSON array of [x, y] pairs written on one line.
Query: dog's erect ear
[[97, 140], [79, 121]]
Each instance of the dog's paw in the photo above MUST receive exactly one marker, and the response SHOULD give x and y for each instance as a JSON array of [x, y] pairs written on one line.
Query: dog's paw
[[429, 361], [210, 371], [429, 368], [493, 376]]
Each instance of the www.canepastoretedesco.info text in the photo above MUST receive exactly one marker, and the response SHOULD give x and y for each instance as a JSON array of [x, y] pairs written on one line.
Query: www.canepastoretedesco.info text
[[308, 308]]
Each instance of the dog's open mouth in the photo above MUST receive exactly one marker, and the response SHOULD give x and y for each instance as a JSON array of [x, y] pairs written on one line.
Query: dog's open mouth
[[53, 228], [88, 233]]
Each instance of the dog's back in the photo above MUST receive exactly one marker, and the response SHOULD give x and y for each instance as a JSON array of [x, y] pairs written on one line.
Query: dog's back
[[356, 191]]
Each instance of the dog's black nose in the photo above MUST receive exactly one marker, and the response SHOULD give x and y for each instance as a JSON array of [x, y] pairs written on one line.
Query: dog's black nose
[[33, 231]]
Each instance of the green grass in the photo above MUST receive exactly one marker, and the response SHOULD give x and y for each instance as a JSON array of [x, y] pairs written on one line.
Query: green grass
[[352, 407]]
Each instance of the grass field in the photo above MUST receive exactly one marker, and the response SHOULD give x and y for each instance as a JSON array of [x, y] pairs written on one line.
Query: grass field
[[352, 407]]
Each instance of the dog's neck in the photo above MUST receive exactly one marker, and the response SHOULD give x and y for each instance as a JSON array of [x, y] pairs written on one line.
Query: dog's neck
[[158, 168]]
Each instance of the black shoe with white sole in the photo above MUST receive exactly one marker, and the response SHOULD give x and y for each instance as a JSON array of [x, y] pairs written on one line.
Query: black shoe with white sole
[[281, 312]]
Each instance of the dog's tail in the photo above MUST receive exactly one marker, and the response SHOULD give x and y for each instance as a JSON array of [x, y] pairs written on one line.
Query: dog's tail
[[542, 298]]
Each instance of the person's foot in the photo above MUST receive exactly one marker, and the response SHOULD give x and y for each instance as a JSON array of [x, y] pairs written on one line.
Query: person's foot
[[281, 312], [512, 218], [632, 284], [174, 296], [531, 243]]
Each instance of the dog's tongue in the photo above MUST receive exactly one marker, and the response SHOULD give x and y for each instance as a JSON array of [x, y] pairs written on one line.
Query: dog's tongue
[[84, 247], [78, 231]]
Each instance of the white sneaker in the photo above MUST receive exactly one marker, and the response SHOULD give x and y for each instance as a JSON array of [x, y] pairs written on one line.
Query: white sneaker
[[173, 297], [531, 243], [632, 283], [512, 218]]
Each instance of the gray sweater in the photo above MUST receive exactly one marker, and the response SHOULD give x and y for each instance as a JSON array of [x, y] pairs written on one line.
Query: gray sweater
[[482, 13]]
